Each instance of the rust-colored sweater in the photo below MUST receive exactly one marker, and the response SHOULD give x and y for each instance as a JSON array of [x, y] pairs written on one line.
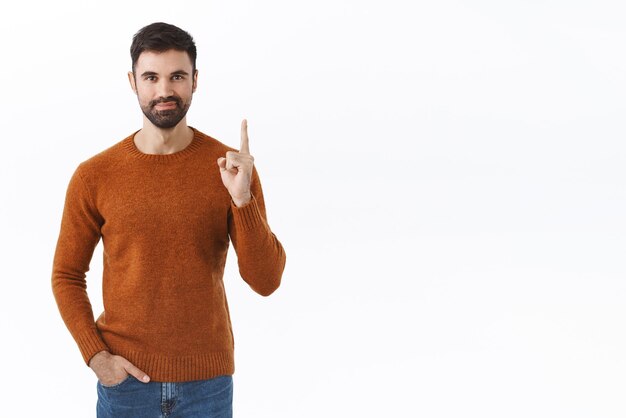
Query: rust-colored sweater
[[165, 222]]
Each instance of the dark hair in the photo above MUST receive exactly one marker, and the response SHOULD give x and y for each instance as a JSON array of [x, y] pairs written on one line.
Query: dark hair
[[161, 37]]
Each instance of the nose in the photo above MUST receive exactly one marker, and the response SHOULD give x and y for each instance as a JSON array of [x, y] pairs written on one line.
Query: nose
[[164, 88]]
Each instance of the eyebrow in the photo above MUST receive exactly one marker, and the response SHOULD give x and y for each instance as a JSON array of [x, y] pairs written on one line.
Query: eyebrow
[[148, 73]]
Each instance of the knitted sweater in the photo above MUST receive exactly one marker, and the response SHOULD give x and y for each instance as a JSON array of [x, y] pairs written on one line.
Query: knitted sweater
[[165, 222]]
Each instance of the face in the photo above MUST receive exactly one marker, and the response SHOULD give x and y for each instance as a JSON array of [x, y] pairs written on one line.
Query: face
[[164, 84]]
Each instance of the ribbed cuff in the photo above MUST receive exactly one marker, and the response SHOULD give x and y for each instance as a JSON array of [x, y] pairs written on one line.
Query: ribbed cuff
[[247, 216], [90, 343]]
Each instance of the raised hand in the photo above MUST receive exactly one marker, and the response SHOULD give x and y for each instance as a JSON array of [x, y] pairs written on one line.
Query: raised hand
[[236, 169]]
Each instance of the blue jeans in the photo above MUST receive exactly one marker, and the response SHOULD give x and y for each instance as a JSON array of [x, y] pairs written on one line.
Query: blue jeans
[[210, 398]]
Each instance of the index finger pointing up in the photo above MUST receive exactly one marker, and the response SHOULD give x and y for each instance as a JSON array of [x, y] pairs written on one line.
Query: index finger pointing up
[[244, 149]]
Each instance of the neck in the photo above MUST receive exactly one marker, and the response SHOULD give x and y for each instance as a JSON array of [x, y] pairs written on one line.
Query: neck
[[154, 140]]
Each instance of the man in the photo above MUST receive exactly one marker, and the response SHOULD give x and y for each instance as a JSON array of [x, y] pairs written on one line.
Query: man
[[165, 200]]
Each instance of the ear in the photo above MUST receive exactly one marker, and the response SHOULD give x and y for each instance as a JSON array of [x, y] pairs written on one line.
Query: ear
[[131, 80], [195, 81]]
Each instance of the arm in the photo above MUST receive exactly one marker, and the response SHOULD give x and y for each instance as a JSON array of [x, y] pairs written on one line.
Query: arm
[[78, 237], [260, 256]]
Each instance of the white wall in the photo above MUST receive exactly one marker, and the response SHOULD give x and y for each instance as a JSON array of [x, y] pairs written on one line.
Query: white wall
[[447, 179]]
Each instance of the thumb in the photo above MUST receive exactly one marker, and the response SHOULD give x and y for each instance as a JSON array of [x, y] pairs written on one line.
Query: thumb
[[140, 375], [221, 162]]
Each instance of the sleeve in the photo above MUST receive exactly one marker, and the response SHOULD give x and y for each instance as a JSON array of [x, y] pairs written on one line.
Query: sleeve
[[260, 256], [78, 237]]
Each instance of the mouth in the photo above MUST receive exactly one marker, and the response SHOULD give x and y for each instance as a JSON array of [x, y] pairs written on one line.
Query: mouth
[[165, 105]]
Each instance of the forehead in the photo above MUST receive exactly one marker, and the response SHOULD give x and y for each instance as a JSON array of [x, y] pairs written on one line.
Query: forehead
[[163, 62]]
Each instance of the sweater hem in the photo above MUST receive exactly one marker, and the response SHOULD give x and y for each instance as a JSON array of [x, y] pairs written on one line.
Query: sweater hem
[[163, 368]]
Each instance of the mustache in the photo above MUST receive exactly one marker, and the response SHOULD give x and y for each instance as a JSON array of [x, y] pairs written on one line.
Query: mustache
[[166, 99]]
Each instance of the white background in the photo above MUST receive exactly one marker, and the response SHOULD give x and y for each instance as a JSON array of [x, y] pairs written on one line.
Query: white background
[[447, 179]]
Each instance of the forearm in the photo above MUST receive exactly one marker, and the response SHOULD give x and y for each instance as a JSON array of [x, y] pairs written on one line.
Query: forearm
[[261, 259], [75, 309], [260, 255]]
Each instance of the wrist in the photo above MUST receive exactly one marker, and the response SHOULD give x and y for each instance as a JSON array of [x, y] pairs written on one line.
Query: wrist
[[99, 355], [242, 201]]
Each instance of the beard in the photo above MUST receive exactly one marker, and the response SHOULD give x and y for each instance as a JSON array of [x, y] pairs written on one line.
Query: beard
[[168, 118]]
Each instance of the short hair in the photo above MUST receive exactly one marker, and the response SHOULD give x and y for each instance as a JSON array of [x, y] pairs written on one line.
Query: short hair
[[161, 37]]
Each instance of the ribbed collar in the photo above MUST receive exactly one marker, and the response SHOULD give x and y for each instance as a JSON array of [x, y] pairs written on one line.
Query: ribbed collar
[[129, 146]]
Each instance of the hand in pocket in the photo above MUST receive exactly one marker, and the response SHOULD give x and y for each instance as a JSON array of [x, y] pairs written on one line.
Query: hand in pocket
[[113, 369]]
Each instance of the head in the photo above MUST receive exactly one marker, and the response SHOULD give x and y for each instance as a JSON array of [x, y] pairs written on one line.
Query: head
[[164, 74]]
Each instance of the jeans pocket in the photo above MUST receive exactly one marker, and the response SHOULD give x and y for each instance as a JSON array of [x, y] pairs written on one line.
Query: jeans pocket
[[116, 385]]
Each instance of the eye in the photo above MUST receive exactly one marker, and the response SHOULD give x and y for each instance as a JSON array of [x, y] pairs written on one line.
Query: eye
[[178, 77], [150, 78]]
